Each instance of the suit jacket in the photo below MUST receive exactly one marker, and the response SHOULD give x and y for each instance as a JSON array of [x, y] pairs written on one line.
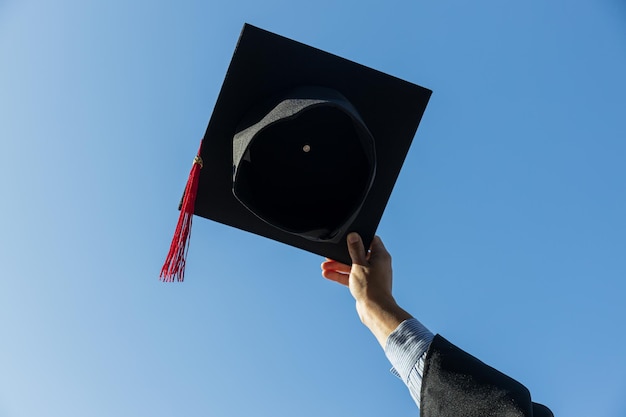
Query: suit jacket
[[456, 384]]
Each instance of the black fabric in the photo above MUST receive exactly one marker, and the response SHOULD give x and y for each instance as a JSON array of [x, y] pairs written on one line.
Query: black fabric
[[456, 384], [540, 410]]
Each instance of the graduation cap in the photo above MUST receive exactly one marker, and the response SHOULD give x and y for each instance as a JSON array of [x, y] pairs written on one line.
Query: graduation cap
[[303, 147]]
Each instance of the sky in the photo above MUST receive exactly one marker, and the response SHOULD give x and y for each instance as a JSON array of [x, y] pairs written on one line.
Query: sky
[[507, 224]]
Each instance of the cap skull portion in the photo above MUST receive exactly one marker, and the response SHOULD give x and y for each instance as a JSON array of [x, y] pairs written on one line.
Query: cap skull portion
[[304, 162]]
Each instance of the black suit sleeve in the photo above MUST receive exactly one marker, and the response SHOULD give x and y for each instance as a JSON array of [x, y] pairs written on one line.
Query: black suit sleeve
[[456, 384]]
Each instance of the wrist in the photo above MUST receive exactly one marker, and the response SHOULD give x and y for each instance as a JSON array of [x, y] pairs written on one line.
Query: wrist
[[376, 309], [381, 315], [372, 306]]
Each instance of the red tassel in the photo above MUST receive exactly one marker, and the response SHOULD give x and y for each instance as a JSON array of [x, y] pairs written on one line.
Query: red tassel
[[174, 266]]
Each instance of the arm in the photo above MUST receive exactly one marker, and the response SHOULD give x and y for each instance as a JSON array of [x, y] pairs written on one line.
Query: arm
[[453, 380], [403, 338]]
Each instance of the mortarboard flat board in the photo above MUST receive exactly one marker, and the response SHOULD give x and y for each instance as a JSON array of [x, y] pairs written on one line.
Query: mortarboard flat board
[[302, 147]]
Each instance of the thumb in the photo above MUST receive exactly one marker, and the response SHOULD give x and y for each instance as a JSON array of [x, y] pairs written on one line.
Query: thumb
[[378, 251], [356, 249]]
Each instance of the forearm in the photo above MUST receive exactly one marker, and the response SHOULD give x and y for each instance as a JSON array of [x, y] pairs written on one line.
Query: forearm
[[381, 316]]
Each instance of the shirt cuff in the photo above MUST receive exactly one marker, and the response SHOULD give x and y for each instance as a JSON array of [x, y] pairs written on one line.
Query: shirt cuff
[[406, 348]]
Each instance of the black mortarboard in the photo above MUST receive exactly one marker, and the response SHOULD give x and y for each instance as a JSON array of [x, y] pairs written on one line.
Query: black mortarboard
[[303, 147]]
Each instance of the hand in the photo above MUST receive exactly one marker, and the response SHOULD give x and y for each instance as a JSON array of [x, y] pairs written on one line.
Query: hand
[[370, 277], [369, 280]]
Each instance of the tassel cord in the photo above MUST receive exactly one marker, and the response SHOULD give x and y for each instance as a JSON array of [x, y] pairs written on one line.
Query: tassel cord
[[174, 267]]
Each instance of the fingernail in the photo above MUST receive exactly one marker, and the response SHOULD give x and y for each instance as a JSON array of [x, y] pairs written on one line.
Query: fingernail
[[353, 237]]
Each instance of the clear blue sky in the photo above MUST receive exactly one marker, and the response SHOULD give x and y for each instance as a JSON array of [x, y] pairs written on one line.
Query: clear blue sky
[[507, 225]]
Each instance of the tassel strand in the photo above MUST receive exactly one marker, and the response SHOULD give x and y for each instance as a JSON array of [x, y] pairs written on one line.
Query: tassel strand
[[174, 266]]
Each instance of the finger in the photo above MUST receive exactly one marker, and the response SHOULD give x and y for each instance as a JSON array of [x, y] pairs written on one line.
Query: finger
[[356, 249], [342, 279], [378, 250], [336, 266]]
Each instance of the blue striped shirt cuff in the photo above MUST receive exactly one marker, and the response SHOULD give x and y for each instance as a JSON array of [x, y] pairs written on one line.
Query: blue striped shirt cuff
[[406, 349]]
